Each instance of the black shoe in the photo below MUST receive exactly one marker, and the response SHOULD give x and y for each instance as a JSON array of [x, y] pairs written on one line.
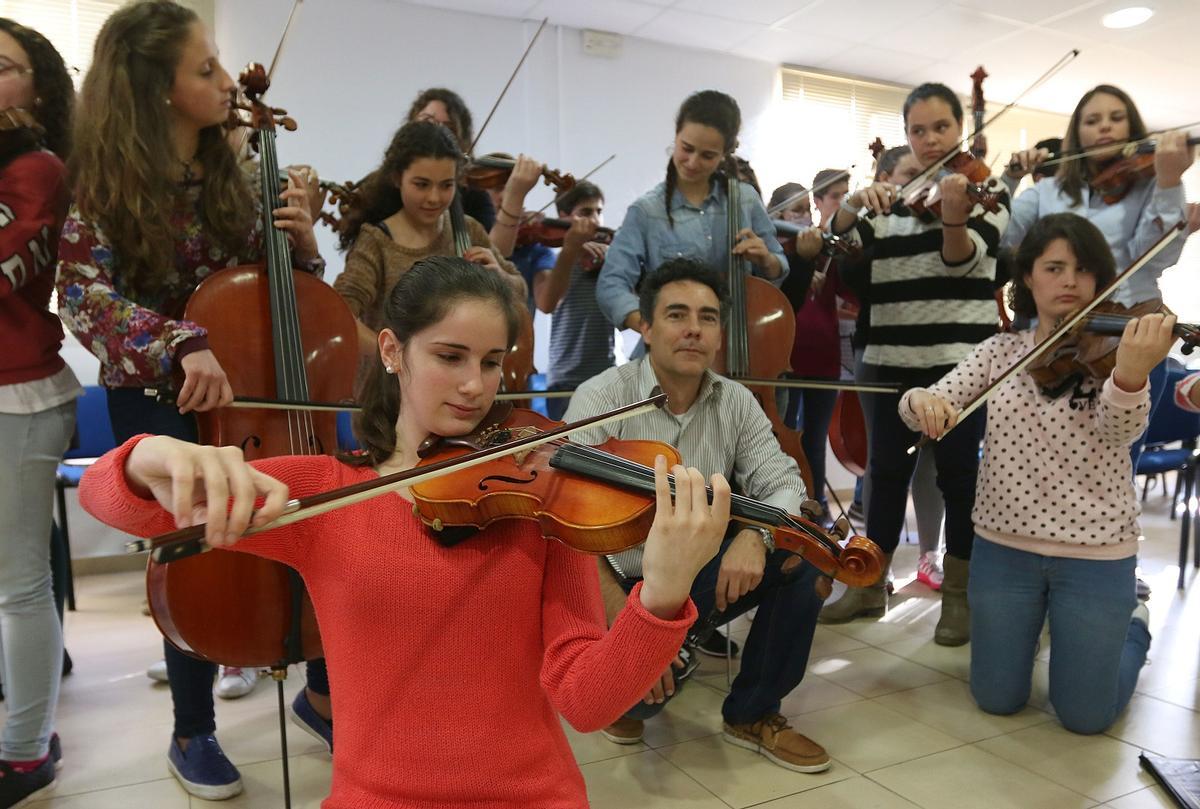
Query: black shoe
[[716, 644], [17, 787], [68, 664]]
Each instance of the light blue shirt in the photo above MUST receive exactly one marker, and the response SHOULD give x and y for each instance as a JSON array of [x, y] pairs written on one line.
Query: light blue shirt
[[646, 239], [1130, 226]]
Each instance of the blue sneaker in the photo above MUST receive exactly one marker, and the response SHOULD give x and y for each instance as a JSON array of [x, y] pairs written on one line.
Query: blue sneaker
[[203, 770], [311, 722]]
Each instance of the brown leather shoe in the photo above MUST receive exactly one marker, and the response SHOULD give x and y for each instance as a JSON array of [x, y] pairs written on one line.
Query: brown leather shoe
[[625, 731], [775, 739]]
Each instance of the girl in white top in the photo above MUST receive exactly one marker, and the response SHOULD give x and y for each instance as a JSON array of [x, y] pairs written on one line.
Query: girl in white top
[[1055, 510]]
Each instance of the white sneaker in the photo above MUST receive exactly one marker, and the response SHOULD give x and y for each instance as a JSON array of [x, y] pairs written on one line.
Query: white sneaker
[[1141, 613], [158, 671], [929, 572], [236, 682]]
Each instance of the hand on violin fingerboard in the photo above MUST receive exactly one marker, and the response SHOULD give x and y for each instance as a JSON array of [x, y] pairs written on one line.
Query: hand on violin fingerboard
[[186, 478], [956, 204], [295, 217], [877, 198], [1144, 344], [686, 533], [1023, 162], [936, 415], [1172, 157]]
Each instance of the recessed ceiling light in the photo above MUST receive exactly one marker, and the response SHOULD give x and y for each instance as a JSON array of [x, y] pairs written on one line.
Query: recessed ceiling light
[[1127, 17]]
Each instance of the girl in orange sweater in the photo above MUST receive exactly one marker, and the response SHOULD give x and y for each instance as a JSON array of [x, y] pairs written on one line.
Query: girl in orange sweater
[[485, 642]]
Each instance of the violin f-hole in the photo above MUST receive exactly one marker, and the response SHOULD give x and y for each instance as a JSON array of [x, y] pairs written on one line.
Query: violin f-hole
[[533, 475]]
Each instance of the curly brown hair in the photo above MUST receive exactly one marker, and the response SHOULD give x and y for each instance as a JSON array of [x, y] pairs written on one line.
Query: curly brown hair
[[124, 151], [54, 94], [1086, 241], [460, 117]]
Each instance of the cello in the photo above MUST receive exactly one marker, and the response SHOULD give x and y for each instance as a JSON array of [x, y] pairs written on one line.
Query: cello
[[759, 334], [282, 334]]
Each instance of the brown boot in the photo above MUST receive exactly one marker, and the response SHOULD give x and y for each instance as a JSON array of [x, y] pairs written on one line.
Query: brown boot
[[625, 731], [775, 739], [954, 626], [859, 602]]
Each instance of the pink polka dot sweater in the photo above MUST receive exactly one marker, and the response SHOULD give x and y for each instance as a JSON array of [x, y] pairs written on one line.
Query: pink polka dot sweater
[[1055, 477]]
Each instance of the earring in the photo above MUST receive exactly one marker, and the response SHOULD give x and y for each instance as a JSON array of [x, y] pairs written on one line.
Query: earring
[[389, 369], [168, 101]]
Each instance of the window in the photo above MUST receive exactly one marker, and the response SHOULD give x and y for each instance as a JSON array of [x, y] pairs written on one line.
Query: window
[[71, 25]]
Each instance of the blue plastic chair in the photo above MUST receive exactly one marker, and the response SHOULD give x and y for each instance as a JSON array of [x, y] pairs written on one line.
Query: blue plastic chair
[[93, 438], [345, 433], [1174, 425]]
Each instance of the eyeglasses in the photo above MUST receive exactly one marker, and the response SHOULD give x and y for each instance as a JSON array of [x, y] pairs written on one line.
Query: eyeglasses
[[13, 69]]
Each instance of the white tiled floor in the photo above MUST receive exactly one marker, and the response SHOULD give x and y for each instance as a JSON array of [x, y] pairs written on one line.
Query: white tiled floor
[[891, 707]]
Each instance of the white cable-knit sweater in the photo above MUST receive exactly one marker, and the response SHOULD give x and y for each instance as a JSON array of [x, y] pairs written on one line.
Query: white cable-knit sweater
[[1055, 478]]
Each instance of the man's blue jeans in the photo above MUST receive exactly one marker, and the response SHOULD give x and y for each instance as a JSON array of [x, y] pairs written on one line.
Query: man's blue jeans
[[776, 651], [1096, 650]]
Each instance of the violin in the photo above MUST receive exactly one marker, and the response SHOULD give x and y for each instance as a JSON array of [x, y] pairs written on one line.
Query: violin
[[20, 118], [517, 464], [1136, 163], [552, 232], [491, 171], [1090, 349], [925, 200], [831, 245]]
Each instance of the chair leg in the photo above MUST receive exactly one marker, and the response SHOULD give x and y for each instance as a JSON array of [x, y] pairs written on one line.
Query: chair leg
[[1145, 487], [1188, 474], [61, 492], [1180, 475]]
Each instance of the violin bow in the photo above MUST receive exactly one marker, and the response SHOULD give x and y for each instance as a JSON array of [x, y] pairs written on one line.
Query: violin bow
[[937, 165], [1062, 328], [243, 135], [598, 166], [188, 541], [1127, 149], [508, 84], [799, 195]]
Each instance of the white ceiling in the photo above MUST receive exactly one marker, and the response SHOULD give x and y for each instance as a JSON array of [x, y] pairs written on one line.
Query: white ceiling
[[910, 41]]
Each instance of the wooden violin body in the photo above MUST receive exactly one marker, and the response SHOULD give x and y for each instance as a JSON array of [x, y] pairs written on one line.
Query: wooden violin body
[[599, 499]]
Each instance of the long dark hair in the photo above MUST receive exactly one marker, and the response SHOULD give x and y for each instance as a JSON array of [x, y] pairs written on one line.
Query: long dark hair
[[1087, 242], [54, 96], [379, 194], [708, 108], [460, 117], [421, 298], [1073, 175], [124, 153]]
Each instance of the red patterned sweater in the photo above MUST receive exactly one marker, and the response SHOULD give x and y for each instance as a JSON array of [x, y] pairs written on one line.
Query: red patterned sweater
[[447, 666], [33, 202]]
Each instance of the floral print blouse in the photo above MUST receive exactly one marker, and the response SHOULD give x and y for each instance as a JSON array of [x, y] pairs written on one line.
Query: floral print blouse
[[138, 337]]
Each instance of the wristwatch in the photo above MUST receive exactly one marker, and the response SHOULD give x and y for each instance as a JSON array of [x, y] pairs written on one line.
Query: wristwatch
[[768, 539]]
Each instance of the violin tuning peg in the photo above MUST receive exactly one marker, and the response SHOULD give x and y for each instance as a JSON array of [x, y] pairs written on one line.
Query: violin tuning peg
[[811, 510], [288, 123], [842, 528]]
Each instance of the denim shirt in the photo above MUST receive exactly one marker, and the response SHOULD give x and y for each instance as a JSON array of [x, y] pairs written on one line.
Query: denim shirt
[[646, 239], [1129, 226]]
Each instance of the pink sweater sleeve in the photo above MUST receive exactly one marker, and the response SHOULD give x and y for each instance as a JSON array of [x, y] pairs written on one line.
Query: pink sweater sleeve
[[592, 677]]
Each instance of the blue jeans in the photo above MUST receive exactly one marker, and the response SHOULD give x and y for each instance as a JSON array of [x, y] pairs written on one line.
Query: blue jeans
[[776, 652], [811, 411], [1096, 650], [31, 445]]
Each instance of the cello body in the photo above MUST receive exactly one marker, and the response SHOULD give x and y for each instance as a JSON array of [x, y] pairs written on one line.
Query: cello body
[[196, 601]]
